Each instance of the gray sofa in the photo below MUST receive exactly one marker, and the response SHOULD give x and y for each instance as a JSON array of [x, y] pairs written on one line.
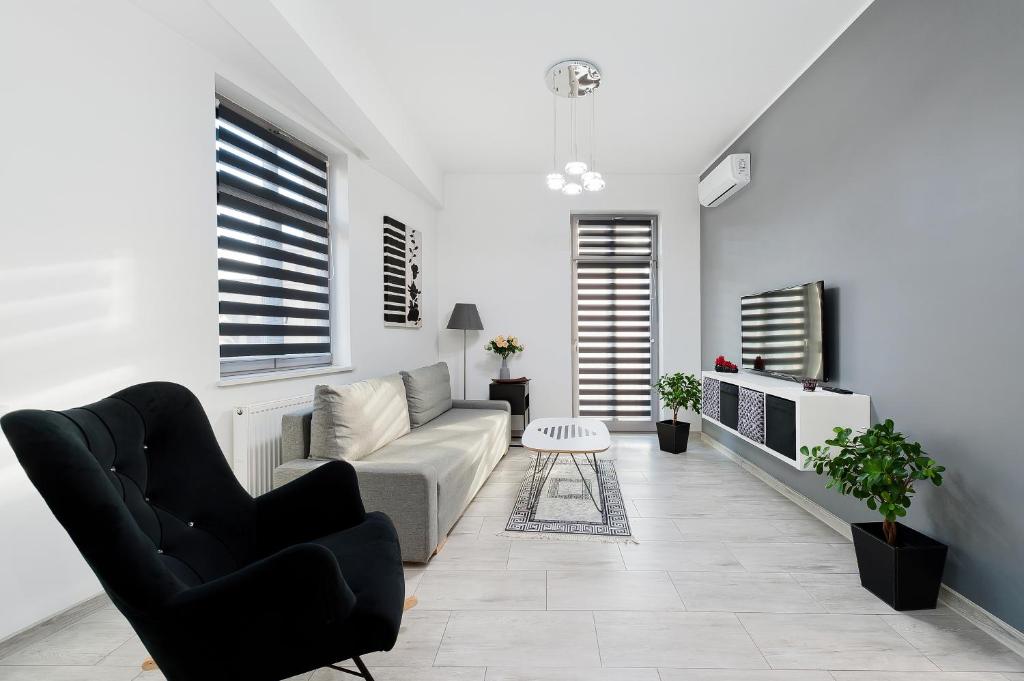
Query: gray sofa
[[423, 480]]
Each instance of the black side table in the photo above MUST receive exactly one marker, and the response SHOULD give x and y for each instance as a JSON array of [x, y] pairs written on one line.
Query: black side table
[[517, 395]]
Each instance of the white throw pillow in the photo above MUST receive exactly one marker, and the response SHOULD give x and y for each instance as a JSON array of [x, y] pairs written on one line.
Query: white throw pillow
[[351, 421]]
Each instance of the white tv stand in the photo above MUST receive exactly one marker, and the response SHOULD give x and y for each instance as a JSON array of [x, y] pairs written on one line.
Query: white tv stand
[[779, 416]]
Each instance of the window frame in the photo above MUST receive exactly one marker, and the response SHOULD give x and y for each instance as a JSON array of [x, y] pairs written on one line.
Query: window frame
[[652, 260], [264, 367]]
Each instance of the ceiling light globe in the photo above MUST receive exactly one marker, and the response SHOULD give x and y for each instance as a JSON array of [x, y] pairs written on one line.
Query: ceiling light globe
[[575, 168], [594, 183], [555, 181], [572, 189], [589, 175]]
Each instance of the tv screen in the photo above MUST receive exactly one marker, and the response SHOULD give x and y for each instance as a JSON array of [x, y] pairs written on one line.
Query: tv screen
[[782, 331]]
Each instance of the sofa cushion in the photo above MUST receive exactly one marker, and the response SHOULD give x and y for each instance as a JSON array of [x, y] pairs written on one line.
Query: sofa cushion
[[429, 391], [462, 446], [351, 421]]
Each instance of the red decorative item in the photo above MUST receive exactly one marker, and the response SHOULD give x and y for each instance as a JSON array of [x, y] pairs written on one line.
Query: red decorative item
[[725, 366]]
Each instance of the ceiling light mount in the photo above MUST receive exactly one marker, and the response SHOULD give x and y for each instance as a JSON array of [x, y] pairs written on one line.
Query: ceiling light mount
[[573, 78]]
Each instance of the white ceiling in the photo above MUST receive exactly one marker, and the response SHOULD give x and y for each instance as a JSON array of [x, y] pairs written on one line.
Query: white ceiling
[[682, 77]]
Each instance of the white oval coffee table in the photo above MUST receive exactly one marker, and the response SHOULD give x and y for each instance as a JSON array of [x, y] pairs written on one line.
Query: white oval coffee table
[[554, 437]]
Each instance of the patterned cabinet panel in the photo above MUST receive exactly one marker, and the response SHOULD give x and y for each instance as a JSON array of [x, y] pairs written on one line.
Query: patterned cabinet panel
[[751, 421], [711, 400]]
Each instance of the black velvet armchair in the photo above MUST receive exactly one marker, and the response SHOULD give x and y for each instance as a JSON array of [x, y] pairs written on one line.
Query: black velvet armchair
[[216, 583]]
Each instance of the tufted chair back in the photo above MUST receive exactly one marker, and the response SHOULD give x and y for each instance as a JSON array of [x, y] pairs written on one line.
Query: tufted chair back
[[142, 487]]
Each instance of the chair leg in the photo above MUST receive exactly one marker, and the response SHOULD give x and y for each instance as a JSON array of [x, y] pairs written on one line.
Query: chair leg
[[363, 671], [362, 668]]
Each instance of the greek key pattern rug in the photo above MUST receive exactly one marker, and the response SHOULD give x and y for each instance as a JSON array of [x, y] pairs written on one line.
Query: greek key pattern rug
[[564, 509]]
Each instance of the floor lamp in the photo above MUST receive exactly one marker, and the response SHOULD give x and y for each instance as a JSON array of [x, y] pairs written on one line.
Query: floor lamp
[[465, 317]]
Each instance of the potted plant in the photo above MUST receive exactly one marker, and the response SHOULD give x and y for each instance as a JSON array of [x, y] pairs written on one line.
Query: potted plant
[[677, 391], [898, 564], [504, 347]]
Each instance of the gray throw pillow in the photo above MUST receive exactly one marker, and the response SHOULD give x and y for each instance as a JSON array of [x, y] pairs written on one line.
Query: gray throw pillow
[[429, 391]]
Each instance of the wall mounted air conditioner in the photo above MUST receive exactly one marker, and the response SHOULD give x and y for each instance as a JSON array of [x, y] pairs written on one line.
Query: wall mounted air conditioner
[[728, 177]]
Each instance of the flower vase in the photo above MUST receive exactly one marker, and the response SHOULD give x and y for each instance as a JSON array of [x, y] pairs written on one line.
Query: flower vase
[[503, 372]]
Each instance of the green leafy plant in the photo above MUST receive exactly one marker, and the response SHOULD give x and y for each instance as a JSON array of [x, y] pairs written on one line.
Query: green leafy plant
[[878, 466], [679, 391]]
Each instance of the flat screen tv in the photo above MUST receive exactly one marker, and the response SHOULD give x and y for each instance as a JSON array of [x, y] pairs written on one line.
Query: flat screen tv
[[783, 332]]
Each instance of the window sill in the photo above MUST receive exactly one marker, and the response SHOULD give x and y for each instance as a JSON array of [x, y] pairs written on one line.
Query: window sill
[[265, 376]]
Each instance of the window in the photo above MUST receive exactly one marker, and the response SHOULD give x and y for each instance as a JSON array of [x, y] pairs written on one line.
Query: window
[[614, 319], [273, 247]]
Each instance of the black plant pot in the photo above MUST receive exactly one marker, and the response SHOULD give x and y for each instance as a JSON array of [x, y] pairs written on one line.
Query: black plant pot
[[906, 576], [672, 437]]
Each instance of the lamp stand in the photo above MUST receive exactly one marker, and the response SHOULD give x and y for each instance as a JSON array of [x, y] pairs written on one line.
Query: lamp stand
[[463, 364]]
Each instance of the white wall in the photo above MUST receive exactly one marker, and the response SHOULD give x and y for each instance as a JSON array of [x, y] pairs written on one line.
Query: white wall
[[505, 243], [108, 253]]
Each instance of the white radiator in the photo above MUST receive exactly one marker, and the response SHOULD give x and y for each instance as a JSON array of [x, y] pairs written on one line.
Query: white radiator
[[256, 445]]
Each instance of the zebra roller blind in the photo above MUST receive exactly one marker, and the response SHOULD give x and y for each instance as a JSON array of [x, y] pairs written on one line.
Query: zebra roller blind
[[273, 247], [615, 317]]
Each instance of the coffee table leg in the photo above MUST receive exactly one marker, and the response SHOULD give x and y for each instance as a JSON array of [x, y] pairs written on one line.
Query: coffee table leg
[[542, 467], [550, 463], [537, 466], [586, 484]]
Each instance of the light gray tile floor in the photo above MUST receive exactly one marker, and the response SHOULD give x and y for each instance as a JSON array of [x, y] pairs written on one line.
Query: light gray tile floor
[[729, 582]]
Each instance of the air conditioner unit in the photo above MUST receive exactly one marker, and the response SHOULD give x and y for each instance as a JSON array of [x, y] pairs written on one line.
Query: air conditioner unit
[[728, 177]]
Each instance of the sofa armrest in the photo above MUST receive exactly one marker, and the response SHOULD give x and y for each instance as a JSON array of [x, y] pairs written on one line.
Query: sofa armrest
[[295, 434], [499, 405], [407, 492]]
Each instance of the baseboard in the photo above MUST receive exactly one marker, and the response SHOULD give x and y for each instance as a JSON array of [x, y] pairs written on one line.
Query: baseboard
[[50, 625], [1006, 634], [814, 508]]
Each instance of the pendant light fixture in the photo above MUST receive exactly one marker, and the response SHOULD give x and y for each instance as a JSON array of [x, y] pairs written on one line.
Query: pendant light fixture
[[556, 180], [574, 79], [592, 180], [572, 189], [574, 166]]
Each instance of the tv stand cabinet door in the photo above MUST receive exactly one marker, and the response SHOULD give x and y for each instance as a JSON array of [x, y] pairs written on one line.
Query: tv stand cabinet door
[[751, 415], [729, 405], [711, 398], [780, 426]]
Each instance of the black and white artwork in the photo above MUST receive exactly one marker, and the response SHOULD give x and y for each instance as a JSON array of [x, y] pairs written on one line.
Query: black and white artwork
[[403, 290]]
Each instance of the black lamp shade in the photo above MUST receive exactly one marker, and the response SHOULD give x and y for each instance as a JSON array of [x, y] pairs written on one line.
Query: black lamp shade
[[465, 316]]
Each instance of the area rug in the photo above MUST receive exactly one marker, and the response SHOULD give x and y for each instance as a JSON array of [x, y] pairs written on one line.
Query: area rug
[[564, 509]]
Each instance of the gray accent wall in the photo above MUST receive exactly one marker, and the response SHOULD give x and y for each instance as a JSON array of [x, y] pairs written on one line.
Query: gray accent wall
[[892, 169]]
